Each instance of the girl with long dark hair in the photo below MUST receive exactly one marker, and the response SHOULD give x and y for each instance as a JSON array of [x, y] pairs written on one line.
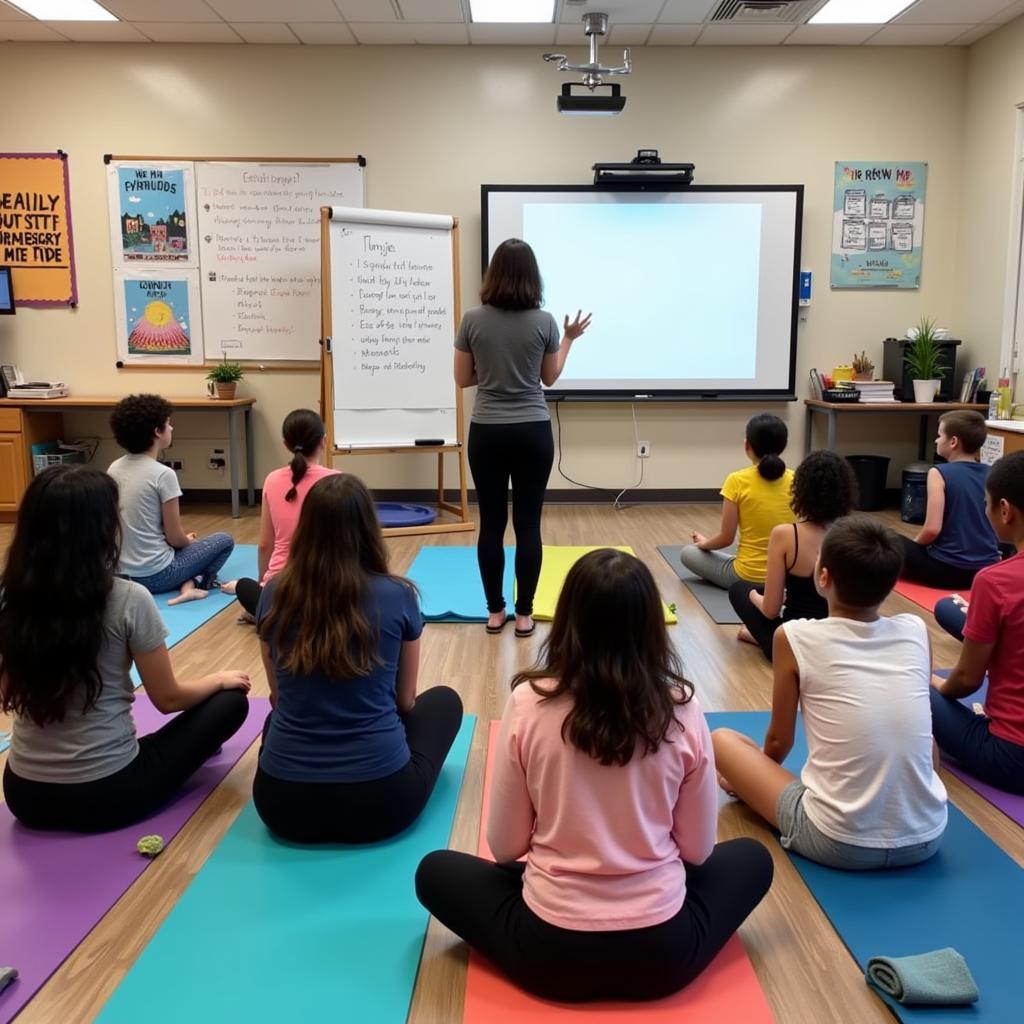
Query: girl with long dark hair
[[351, 753], [284, 491], [69, 632], [508, 347], [604, 779]]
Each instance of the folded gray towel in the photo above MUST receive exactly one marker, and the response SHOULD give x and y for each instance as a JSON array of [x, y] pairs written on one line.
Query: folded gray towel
[[939, 978]]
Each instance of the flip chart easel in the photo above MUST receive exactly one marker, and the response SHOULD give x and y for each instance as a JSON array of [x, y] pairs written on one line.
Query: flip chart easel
[[389, 305]]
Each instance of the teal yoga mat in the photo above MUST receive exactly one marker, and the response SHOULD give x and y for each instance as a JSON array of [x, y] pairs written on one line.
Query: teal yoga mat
[[449, 583], [271, 932], [970, 896]]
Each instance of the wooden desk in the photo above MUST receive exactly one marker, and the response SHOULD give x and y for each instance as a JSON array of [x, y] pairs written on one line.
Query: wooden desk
[[32, 418], [832, 410], [1011, 431]]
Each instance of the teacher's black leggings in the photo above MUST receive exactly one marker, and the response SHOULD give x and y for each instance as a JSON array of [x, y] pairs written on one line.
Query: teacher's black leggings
[[523, 454], [482, 903]]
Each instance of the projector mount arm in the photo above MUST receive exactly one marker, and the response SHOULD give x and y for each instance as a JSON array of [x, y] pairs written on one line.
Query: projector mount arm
[[594, 25]]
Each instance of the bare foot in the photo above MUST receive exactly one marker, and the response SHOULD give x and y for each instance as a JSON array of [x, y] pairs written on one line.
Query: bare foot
[[246, 618], [495, 620], [228, 586], [524, 625], [189, 592], [744, 635]]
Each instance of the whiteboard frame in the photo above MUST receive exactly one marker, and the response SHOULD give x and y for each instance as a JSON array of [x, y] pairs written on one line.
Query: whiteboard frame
[[461, 510]]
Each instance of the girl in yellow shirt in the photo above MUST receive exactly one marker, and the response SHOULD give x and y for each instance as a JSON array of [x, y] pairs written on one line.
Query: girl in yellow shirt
[[755, 500]]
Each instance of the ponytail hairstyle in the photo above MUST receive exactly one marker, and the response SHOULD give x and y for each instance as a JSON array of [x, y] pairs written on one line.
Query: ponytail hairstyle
[[303, 431], [767, 436], [317, 620], [54, 590], [608, 649]]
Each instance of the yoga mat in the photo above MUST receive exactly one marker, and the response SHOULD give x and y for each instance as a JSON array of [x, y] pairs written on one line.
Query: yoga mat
[[926, 597], [728, 990], [448, 579], [57, 885], [268, 931], [970, 896], [714, 600], [558, 560]]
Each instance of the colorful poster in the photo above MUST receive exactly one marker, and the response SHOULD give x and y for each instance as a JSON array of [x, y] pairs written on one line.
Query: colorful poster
[[158, 316], [152, 211], [35, 228], [878, 224]]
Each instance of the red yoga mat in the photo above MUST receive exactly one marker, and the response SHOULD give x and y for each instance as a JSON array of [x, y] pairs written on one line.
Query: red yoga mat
[[926, 597], [727, 990]]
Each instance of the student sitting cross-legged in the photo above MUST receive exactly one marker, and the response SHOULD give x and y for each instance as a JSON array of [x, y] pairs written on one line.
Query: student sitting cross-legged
[[991, 746], [956, 539], [869, 795], [350, 752], [824, 489], [604, 780], [69, 632]]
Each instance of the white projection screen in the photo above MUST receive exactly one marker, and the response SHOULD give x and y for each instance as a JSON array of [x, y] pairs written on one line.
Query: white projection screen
[[693, 290]]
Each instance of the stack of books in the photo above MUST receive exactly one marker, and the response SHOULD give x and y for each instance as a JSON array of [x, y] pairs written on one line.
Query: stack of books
[[971, 383], [873, 392]]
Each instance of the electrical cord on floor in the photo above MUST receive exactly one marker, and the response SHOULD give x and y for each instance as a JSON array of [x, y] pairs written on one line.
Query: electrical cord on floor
[[616, 501]]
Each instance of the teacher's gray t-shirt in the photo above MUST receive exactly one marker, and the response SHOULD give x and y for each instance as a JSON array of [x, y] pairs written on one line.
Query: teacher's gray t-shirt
[[90, 745], [144, 485], [508, 347]]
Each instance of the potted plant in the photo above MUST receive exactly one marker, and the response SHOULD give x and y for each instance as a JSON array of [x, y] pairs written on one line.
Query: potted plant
[[922, 359], [863, 368], [224, 377]]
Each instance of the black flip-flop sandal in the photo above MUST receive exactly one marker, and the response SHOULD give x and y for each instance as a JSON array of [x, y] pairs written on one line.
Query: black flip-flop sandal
[[524, 633], [494, 630]]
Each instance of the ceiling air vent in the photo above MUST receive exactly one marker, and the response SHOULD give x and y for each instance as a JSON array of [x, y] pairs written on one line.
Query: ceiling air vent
[[765, 12]]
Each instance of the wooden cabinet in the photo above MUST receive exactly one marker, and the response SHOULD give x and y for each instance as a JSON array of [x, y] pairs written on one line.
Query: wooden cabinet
[[18, 432]]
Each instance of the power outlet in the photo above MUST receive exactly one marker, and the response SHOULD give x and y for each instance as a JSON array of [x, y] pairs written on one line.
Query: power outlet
[[643, 449], [217, 460], [176, 464]]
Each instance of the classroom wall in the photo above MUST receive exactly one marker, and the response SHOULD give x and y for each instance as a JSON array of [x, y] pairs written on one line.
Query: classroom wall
[[994, 90], [434, 123]]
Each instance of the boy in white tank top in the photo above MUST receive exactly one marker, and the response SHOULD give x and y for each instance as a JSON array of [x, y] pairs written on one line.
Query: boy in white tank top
[[868, 795]]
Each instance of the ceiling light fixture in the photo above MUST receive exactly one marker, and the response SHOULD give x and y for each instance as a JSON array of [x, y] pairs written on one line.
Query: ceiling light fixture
[[540, 11], [64, 10], [859, 12], [592, 102]]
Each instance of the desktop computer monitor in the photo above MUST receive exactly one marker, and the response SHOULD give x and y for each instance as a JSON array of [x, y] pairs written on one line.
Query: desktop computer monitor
[[6, 291]]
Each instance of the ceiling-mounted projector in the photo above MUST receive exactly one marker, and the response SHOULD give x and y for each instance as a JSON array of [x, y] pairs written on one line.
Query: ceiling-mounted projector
[[600, 98]]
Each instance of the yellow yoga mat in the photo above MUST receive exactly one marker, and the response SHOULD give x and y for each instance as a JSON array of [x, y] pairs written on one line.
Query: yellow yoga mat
[[558, 560]]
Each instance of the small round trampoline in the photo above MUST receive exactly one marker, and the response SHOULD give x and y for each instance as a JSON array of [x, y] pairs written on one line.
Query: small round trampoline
[[398, 513]]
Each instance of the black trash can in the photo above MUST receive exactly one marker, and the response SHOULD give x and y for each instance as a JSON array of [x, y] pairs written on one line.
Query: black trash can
[[914, 492], [871, 471]]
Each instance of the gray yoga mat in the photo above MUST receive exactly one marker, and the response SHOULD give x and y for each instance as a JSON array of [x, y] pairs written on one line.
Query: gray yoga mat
[[714, 600]]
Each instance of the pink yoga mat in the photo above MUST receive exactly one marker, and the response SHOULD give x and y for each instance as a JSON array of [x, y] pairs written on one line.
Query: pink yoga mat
[[727, 991], [58, 885], [926, 597]]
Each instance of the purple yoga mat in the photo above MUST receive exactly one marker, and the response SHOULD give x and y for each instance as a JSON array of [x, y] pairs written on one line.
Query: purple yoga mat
[[58, 885]]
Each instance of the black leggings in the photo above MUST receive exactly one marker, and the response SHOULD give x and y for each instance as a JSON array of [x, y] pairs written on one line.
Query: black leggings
[[759, 626], [482, 902], [366, 812], [166, 759], [522, 453], [920, 567], [248, 593]]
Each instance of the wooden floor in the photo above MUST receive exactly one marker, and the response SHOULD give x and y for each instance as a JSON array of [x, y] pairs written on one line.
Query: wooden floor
[[808, 976]]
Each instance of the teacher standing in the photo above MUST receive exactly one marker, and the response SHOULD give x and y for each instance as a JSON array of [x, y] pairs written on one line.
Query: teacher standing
[[508, 347]]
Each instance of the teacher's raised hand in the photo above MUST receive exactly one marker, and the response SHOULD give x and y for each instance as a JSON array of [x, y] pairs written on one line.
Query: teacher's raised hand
[[578, 326]]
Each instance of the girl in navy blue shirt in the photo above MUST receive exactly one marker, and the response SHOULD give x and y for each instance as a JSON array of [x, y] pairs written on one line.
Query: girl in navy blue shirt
[[350, 752]]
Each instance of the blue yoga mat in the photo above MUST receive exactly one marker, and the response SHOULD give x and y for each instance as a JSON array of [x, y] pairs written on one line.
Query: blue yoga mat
[[449, 582], [271, 932], [970, 896], [183, 619]]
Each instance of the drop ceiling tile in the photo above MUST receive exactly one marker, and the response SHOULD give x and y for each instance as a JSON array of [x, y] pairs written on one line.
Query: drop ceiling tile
[[323, 33], [264, 32], [744, 35], [632, 11], [382, 33], [972, 35], [188, 32], [365, 10], [422, 11], [951, 12], [686, 12], [674, 35], [160, 10], [512, 35], [99, 31], [9, 13], [28, 32], [275, 10], [1014, 10], [629, 35], [831, 35], [439, 34], [916, 35]]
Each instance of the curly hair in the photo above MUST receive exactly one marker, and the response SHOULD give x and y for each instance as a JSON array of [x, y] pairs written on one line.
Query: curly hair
[[137, 418], [824, 488]]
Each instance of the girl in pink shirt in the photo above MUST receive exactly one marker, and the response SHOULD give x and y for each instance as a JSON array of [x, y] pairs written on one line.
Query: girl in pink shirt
[[283, 493], [604, 781]]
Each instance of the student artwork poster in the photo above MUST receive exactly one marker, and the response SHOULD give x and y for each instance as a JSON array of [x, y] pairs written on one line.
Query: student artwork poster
[[878, 224], [157, 314], [152, 214]]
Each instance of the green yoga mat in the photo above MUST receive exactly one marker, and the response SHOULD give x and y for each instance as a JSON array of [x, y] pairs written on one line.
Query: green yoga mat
[[448, 579], [969, 896], [271, 932]]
